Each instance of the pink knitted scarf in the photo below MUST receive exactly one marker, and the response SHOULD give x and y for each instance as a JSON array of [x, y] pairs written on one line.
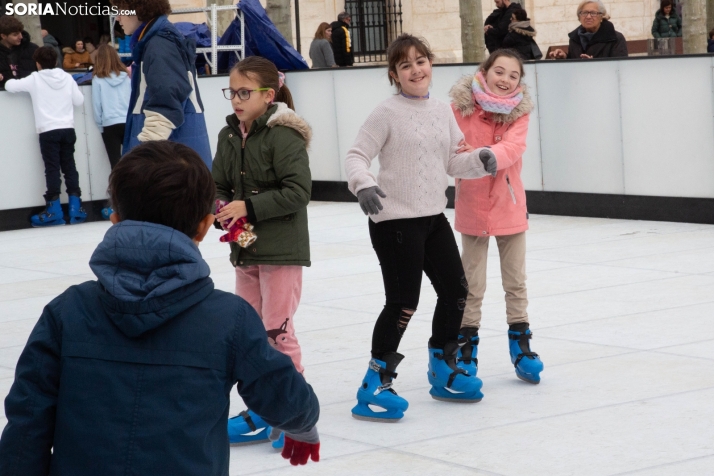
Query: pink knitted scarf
[[492, 102]]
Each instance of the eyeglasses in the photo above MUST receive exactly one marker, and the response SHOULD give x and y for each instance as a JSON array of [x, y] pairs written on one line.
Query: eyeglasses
[[243, 94], [589, 14]]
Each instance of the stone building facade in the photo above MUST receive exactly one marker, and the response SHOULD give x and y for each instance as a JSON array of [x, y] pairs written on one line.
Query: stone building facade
[[438, 20]]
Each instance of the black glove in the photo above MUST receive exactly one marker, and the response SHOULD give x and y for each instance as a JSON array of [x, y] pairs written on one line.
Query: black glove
[[489, 161], [369, 201]]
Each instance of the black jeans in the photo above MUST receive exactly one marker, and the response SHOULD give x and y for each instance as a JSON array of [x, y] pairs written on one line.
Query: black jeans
[[405, 248], [113, 137], [57, 148]]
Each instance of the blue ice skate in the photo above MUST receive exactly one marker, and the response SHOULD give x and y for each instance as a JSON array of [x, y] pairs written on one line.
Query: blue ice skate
[[51, 216], [247, 428], [449, 382], [280, 442], [528, 365], [376, 390], [107, 212], [468, 352], [76, 212]]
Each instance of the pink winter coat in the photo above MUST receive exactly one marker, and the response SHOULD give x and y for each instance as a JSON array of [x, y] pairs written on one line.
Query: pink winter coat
[[492, 206]]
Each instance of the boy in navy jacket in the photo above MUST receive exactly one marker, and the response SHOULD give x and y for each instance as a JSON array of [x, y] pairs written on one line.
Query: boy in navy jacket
[[131, 374]]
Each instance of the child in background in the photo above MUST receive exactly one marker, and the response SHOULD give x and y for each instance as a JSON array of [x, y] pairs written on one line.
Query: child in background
[[262, 171], [132, 373], [54, 95], [419, 144], [111, 89], [492, 109]]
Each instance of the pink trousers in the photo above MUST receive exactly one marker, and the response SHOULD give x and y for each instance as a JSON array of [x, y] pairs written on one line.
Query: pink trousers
[[274, 292]]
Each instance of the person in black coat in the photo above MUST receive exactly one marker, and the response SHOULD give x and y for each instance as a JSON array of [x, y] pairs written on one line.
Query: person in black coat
[[521, 36], [16, 50], [341, 41], [495, 28], [595, 37]]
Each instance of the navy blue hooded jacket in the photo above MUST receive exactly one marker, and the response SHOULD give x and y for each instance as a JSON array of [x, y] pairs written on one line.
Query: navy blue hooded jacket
[[132, 374], [164, 82]]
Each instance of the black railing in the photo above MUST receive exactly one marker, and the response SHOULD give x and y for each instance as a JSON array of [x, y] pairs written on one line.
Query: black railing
[[375, 23]]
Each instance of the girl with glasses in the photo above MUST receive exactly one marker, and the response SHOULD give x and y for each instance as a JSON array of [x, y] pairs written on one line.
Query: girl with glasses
[[262, 173]]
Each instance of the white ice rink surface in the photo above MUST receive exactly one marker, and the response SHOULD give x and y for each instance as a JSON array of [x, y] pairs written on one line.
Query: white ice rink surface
[[622, 314]]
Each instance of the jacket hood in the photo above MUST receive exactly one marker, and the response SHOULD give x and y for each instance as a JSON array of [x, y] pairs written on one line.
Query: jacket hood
[[604, 34], [55, 78], [115, 80], [462, 99], [50, 40], [523, 28], [279, 114], [284, 116], [151, 273]]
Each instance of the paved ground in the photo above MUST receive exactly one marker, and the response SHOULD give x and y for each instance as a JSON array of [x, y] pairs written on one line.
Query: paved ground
[[622, 317]]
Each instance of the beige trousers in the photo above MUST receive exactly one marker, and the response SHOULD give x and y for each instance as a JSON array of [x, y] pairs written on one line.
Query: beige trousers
[[512, 250]]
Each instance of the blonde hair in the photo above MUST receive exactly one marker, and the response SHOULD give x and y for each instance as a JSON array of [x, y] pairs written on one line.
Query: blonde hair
[[600, 7]]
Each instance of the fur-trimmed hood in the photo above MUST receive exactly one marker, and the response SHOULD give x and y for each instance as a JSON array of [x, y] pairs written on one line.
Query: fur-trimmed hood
[[462, 98], [284, 116], [523, 28]]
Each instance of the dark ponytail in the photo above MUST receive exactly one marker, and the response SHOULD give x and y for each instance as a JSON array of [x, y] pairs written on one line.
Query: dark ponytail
[[266, 74]]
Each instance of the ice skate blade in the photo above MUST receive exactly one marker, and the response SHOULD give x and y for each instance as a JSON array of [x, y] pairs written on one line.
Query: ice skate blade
[[48, 225], [534, 382], [375, 419], [456, 400], [253, 442]]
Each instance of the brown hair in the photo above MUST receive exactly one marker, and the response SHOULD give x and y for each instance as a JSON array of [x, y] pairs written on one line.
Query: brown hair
[[46, 56], [163, 182], [265, 73], [398, 50], [10, 24], [665, 3], [107, 62], [507, 53], [320, 33], [145, 9], [521, 14]]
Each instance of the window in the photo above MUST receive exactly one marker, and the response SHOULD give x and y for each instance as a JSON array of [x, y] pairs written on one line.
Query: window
[[375, 23]]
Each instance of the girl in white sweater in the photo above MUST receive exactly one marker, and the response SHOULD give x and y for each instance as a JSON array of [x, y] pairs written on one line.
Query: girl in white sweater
[[419, 144]]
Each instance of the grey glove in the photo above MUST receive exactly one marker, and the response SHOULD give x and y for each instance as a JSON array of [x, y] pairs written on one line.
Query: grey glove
[[369, 201], [489, 161], [311, 436]]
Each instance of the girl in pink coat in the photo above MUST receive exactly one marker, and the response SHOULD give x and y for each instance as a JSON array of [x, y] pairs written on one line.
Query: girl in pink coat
[[492, 109]]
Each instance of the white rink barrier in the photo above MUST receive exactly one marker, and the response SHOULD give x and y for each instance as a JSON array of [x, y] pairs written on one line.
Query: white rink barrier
[[635, 126]]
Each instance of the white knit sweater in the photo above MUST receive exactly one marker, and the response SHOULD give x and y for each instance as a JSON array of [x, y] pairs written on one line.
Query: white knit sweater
[[416, 141]]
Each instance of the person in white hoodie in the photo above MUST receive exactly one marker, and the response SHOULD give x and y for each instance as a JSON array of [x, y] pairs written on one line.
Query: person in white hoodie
[[54, 95], [111, 91]]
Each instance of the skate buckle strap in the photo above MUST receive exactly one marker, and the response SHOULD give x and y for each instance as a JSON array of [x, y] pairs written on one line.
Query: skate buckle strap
[[381, 370], [532, 355], [451, 362], [520, 336], [248, 420], [467, 351], [387, 386]]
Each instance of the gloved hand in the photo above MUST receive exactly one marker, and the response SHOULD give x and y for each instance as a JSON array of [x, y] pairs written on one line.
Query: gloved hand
[[298, 447], [241, 232], [489, 161], [369, 201]]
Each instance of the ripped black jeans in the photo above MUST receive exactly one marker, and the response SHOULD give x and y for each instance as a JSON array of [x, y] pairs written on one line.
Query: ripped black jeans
[[405, 248]]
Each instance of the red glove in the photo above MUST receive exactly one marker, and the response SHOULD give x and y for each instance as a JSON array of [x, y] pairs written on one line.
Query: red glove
[[298, 452]]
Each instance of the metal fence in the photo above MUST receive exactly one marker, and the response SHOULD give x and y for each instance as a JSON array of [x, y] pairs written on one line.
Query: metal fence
[[375, 23], [213, 24]]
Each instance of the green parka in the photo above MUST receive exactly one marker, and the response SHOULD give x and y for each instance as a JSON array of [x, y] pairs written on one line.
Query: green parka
[[664, 27], [270, 170]]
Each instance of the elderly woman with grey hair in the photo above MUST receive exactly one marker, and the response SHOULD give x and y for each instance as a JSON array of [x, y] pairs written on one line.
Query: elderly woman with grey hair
[[595, 37]]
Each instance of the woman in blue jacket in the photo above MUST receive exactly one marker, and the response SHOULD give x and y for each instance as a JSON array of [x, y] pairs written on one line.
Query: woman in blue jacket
[[165, 102]]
